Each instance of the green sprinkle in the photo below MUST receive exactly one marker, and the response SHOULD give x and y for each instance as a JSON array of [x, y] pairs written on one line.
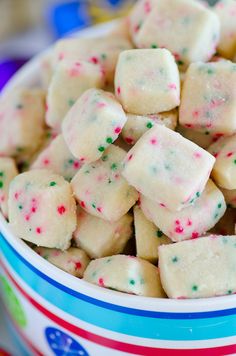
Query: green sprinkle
[[87, 171], [1, 184], [132, 282], [48, 135], [94, 273], [30, 229], [20, 207], [71, 102], [229, 291], [198, 194], [159, 233], [210, 71], [108, 260], [70, 161], [184, 51], [1, 174], [109, 140], [104, 158], [52, 184], [175, 259], [103, 56], [101, 148], [180, 63], [154, 45], [93, 205], [149, 125], [216, 216], [219, 205], [235, 161], [46, 257], [113, 166], [194, 288]]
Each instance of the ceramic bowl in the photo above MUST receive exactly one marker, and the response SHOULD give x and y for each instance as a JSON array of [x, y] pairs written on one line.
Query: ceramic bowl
[[50, 312]]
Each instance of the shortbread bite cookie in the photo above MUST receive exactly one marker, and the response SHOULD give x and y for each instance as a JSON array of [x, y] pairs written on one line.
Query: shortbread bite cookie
[[153, 83], [58, 158], [102, 51], [100, 238], [8, 171], [224, 170], [42, 209], [202, 139], [100, 188], [148, 237], [137, 125], [208, 99], [73, 261], [125, 274], [167, 168], [226, 224], [92, 124], [190, 222], [230, 197], [70, 80], [21, 121], [186, 28], [199, 268], [226, 12]]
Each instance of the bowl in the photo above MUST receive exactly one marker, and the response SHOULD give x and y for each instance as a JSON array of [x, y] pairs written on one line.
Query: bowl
[[50, 312]]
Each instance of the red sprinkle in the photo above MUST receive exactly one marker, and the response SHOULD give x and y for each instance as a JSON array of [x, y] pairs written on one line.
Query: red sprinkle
[[76, 164], [189, 222], [118, 90], [129, 140], [117, 130], [61, 209], [163, 205], [46, 161], [27, 217], [177, 222], [78, 265], [16, 195], [229, 154], [153, 141], [82, 204], [195, 235], [179, 229], [38, 230], [99, 209], [101, 282], [94, 60], [33, 209], [129, 157]]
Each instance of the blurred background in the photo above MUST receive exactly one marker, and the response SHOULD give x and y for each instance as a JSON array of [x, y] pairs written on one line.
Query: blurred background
[[29, 26]]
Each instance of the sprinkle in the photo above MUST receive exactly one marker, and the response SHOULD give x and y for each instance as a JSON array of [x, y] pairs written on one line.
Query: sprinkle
[[195, 235], [109, 140], [129, 140], [78, 265], [38, 230], [159, 233], [114, 166], [101, 282], [61, 209], [101, 148], [117, 130], [229, 154], [94, 60], [104, 158], [175, 259], [194, 288], [46, 161], [99, 209], [71, 102], [103, 56], [179, 229], [154, 45], [229, 291], [153, 141], [129, 157], [33, 209], [149, 125], [20, 207], [189, 222], [197, 155], [82, 204], [118, 90], [1, 174], [1, 184], [235, 161], [52, 184], [198, 194], [132, 282], [93, 205]]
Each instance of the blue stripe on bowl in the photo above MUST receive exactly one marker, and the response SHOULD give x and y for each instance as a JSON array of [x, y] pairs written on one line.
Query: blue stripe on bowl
[[146, 324]]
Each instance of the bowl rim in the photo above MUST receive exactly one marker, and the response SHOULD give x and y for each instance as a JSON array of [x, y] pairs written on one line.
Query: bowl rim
[[27, 76]]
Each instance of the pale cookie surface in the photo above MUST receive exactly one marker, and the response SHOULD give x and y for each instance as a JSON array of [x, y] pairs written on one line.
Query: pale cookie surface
[[125, 274], [100, 238], [224, 170], [42, 209], [100, 188], [226, 12], [153, 85], [8, 171], [208, 98], [101, 51], [187, 28], [58, 158], [22, 121], [137, 125], [148, 237], [73, 261], [167, 168], [201, 139], [199, 268], [70, 80], [230, 197], [92, 124], [190, 222]]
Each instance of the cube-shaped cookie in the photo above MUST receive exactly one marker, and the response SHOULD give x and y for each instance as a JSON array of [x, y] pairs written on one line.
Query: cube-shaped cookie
[[224, 170], [167, 168], [126, 274], [100, 238], [202, 139], [137, 125], [8, 171], [22, 121], [92, 124], [42, 209], [199, 268], [70, 80], [153, 85], [57, 158], [100, 188], [73, 260], [226, 11], [147, 236], [208, 101], [190, 222], [185, 27]]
